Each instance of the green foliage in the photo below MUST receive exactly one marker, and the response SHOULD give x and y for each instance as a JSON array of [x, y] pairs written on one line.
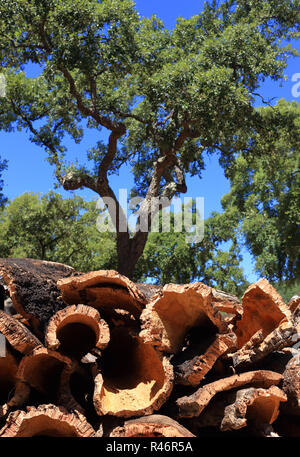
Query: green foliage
[[264, 198], [100, 61], [169, 257], [164, 96], [287, 289], [50, 227]]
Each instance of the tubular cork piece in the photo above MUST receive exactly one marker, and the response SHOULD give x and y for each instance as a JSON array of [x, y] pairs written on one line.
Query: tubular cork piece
[[173, 311], [103, 289], [76, 330], [46, 421], [135, 379]]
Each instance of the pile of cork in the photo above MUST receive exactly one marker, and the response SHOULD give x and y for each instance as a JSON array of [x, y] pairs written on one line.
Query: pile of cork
[[97, 355]]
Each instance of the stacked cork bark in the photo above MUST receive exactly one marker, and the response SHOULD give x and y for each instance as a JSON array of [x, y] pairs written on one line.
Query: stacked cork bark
[[94, 354]]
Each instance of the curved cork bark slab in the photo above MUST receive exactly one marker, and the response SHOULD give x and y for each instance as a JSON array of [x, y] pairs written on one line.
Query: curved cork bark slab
[[148, 290], [227, 303], [8, 379], [291, 386], [294, 303], [44, 421], [66, 396], [17, 334], [174, 311], [258, 347], [103, 289], [134, 379], [151, 426], [42, 370], [264, 310], [194, 404], [191, 372], [261, 405], [32, 287], [76, 330]]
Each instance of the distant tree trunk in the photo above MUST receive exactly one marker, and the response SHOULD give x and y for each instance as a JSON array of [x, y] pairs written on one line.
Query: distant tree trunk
[[129, 251]]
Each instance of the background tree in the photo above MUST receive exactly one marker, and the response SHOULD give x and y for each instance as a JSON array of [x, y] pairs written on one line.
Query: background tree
[[264, 199], [52, 228], [163, 97], [168, 257]]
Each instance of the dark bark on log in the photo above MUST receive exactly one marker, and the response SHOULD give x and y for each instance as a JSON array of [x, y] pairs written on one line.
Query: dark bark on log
[[19, 336], [192, 371], [32, 287]]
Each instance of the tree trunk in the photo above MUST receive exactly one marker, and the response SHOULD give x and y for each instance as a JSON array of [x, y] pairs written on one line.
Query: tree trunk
[[129, 251]]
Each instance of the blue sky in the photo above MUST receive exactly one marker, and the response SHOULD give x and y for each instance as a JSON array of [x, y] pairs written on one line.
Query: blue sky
[[28, 170]]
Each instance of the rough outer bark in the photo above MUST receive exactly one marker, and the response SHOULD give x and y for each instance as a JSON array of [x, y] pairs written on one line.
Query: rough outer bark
[[291, 386], [257, 348], [193, 405], [19, 336], [42, 370], [46, 420], [86, 317], [191, 372], [294, 303], [227, 303], [134, 379], [174, 311], [103, 289], [264, 310], [262, 405], [151, 426], [32, 287], [149, 290]]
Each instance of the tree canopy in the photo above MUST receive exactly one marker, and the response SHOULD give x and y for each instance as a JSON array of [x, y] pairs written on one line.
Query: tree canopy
[[50, 227], [161, 96], [264, 199]]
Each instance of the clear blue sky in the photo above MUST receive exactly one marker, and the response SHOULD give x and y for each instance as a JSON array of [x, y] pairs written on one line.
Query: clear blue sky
[[28, 170]]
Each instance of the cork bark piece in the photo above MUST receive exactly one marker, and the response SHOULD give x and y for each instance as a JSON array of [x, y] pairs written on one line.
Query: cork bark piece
[[258, 347], [134, 380], [17, 334], [103, 289], [8, 379], [227, 303], [42, 370], [76, 330], [46, 421], [76, 384], [263, 309], [191, 372], [193, 405], [261, 405], [32, 287], [294, 303], [174, 311], [154, 425], [291, 385]]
